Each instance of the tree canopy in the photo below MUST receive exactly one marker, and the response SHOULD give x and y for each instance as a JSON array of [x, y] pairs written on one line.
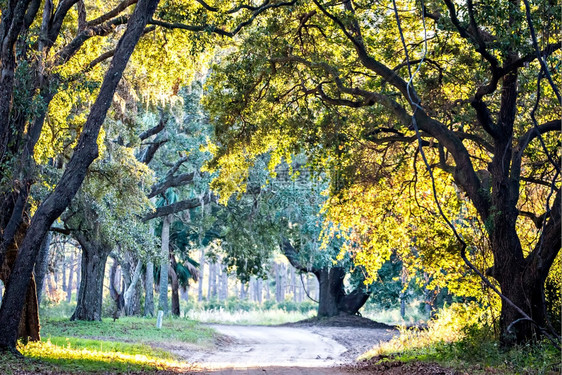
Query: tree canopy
[[368, 88]]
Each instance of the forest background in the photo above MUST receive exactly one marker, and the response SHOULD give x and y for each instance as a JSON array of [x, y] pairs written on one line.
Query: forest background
[[412, 146]]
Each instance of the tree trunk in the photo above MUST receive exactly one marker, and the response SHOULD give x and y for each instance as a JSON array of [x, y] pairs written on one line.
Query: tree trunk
[[41, 266], [279, 282], [149, 290], [85, 152], [201, 274], [331, 289], [526, 290], [78, 272], [243, 291], [116, 289], [332, 299], [64, 266], [90, 293], [28, 325], [223, 294], [175, 286], [267, 292], [212, 283], [164, 264], [293, 283], [131, 308], [70, 278]]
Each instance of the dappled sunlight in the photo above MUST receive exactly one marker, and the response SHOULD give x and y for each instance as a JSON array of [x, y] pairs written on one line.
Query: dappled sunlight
[[89, 359]]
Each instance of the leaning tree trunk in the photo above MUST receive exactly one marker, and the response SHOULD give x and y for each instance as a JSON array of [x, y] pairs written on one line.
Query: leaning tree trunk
[[84, 154], [89, 299]]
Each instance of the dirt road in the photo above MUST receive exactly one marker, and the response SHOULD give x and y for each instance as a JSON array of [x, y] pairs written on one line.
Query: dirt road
[[282, 350]]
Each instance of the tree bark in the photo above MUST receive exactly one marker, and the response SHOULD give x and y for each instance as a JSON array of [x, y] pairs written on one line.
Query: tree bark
[[149, 290], [175, 286], [212, 283], [64, 266], [85, 152], [28, 325], [90, 293], [332, 298], [130, 308], [223, 294], [115, 289], [279, 282], [164, 265], [70, 278], [201, 274], [41, 266]]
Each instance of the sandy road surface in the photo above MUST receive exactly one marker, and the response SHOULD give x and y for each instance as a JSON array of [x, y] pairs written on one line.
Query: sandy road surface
[[282, 350]]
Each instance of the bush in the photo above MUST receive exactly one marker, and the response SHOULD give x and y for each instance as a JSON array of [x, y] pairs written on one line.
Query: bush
[[307, 306], [269, 304]]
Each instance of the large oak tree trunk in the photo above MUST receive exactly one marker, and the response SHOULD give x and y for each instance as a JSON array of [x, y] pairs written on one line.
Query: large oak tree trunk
[[332, 300], [89, 299], [330, 287], [28, 326]]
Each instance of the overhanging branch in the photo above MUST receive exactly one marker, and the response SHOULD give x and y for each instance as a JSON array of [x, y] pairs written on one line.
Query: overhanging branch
[[179, 206]]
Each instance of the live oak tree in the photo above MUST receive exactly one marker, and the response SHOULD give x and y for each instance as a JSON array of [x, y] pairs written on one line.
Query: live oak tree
[[281, 211], [471, 85], [103, 218], [85, 151], [49, 49]]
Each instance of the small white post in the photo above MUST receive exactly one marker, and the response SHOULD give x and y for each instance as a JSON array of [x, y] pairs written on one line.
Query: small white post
[[159, 319]]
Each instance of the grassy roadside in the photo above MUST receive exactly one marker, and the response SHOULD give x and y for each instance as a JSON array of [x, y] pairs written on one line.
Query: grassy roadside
[[126, 345], [467, 347]]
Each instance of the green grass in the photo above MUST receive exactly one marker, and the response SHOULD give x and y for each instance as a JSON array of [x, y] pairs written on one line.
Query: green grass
[[457, 339], [125, 345], [483, 355], [109, 347], [129, 329]]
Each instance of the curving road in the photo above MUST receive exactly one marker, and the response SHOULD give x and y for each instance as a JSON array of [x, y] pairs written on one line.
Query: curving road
[[281, 350]]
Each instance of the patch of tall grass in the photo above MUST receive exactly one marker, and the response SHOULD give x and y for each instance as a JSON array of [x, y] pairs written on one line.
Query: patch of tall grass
[[462, 336], [413, 315], [251, 317]]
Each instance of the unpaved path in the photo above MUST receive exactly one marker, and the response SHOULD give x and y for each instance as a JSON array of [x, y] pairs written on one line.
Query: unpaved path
[[282, 350]]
